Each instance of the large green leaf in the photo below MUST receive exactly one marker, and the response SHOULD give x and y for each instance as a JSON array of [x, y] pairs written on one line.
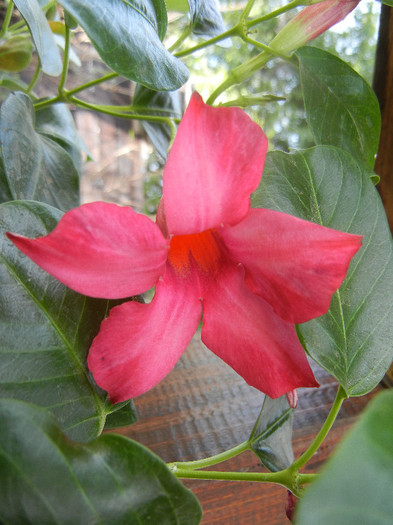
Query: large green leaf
[[355, 487], [42, 36], [46, 478], [271, 438], [46, 330], [36, 167], [126, 34], [353, 341], [342, 109]]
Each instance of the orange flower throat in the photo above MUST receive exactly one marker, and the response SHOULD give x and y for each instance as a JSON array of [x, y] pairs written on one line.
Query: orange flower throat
[[200, 248]]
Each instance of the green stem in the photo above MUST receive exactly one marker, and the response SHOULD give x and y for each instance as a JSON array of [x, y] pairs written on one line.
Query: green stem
[[181, 39], [273, 14], [285, 477], [48, 102], [234, 31], [114, 113], [35, 78], [210, 461], [239, 74], [7, 18], [92, 83], [66, 57], [307, 455]]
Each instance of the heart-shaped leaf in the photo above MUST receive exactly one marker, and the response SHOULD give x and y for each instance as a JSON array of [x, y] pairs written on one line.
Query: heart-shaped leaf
[[126, 35], [342, 109], [353, 341], [46, 478], [206, 18], [36, 167], [42, 36], [46, 330], [271, 438], [355, 487]]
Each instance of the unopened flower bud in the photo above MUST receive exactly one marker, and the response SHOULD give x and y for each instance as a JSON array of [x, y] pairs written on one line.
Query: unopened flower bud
[[15, 53], [312, 21]]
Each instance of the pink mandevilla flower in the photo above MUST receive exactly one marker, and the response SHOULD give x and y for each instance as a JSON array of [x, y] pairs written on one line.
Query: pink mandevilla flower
[[252, 272]]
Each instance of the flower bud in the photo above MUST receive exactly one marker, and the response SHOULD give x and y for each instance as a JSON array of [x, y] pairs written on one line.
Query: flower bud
[[15, 53], [312, 21]]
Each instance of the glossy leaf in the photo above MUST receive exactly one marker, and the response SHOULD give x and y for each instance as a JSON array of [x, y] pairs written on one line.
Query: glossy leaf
[[126, 415], [271, 438], [46, 330], [42, 36], [56, 123], [342, 109], [158, 103], [355, 486], [206, 18], [36, 166], [127, 37], [353, 341], [46, 478]]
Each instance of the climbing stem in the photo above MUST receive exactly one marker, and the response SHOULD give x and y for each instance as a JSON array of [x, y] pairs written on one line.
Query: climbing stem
[[7, 18], [210, 461], [273, 14], [66, 58], [307, 455]]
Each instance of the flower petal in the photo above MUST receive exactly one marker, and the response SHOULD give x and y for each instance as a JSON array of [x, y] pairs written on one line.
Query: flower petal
[[214, 165], [139, 344], [243, 330], [101, 250], [293, 264]]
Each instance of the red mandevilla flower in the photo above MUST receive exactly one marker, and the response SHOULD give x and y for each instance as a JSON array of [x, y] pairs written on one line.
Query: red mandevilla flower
[[252, 272]]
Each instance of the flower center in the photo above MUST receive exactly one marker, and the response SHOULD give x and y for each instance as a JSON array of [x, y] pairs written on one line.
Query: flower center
[[202, 248]]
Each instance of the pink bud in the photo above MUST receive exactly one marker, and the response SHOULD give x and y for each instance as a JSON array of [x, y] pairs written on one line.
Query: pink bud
[[310, 23]]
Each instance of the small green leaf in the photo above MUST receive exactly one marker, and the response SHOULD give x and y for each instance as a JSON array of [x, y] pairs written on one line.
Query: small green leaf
[[46, 478], [46, 330], [159, 103], [353, 341], [36, 167], [206, 18], [126, 34], [42, 36], [271, 438], [342, 109], [126, 415], [355, 487]]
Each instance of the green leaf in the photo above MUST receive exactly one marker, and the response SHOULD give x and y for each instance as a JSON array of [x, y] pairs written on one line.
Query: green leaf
[[353, 341], [42, 36], [126, 34], [342, 109], [36, 167], [46, 478], [355, 487], [5, 194], [56, 123], [46, 330], [159, 103], [206, 17], [181, 6], [271, 438], [126, 415]]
